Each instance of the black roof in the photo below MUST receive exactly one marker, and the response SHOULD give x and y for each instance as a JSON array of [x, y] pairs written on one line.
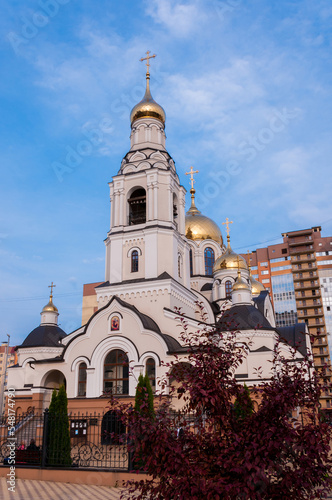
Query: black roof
[[206, 286], [44, 335], [295, 336], [244, 317], [148, 322], [173, 345]]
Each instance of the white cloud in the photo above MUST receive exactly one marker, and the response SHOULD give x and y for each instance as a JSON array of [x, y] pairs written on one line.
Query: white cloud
[[181, 19]]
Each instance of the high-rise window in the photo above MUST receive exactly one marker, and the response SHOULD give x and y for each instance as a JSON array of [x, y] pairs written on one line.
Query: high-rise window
[[134, 261], [209, 261], [284, 300]]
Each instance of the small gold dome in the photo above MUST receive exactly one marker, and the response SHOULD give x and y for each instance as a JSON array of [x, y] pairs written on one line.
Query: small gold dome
[[229, 260], [256, 286], [147, 108], [50, 307], [240, 284]]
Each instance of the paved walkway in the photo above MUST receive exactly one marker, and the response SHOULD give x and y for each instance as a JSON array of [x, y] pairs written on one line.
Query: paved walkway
[[45, 490]]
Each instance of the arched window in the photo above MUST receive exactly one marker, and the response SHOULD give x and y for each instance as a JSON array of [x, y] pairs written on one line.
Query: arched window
[[134, 261], [116, 373], [191, 262], [151, 372], [137, 207], [111, 428], [209, 261], [228, 289], [81, 380]]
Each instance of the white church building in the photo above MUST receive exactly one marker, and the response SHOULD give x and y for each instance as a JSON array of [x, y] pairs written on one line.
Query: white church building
[[158, 258]]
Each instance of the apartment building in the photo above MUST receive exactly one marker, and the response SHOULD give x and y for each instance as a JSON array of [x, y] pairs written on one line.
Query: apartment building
[[298, 275]]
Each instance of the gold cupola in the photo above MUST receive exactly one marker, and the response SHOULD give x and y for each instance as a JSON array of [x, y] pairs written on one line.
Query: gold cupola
[[198, 226], [229, 259], [50, 307], [147, 107], [240, 283]]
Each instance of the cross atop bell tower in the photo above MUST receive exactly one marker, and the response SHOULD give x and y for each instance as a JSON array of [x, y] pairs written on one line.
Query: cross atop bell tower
[[147, 59]]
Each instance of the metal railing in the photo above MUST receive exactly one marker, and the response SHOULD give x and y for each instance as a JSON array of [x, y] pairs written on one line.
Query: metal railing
[[95, 441]]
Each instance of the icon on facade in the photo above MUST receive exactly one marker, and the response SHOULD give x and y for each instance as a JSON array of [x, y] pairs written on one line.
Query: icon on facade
[[115, 324]]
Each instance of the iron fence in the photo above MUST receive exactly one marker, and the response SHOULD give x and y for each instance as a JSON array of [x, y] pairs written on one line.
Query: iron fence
[[96, 441]]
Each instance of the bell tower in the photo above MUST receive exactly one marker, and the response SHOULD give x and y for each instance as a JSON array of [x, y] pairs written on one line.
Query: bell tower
[[146, 238]]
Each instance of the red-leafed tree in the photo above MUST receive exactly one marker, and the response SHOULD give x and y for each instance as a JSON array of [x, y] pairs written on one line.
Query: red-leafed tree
[[227, 442]]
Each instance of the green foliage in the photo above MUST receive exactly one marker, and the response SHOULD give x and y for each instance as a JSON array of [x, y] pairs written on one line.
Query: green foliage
[[144, 397], [243, 406], [59, 437]]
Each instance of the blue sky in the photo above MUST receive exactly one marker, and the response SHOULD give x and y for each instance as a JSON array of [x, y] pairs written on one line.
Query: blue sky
[[246, 86]]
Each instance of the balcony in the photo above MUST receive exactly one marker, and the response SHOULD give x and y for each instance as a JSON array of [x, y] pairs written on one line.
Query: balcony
[[304, 278], [309, 249], [303, 260], [306, 286], [298, 242], [304, 268], [311, 314], [320, 342], [308, 305]]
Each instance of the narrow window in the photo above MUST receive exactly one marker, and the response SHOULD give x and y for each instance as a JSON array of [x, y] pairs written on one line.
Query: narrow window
[[228, 288], [191, 262], [116, 373], [134, 261], [179, 266], [82, 380], [209, 261], [151, 372]]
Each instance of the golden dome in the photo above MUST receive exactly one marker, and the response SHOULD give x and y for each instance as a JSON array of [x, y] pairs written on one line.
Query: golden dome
[[200, 227], [240, 284], [230, 260], [256, 286], [50, 307], [147, 107]]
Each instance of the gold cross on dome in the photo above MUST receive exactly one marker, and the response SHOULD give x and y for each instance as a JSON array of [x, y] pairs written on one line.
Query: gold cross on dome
[[51, 286], [227, 223], [191, 173], [147, 59], [249, 259]]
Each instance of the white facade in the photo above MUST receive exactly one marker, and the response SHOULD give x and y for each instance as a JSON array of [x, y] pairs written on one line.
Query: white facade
[[152, 269]]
